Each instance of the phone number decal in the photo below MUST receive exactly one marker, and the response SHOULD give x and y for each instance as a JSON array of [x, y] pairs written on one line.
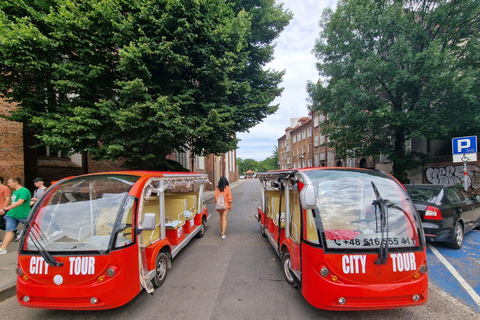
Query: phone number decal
[[375, 242]]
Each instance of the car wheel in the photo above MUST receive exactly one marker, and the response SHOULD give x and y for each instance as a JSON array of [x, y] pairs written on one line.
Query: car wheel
[[201, 233], [286, 270], [457, 238], [160, 270]]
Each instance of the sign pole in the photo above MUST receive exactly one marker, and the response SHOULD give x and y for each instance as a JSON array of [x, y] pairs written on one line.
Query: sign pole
[[465, 175]]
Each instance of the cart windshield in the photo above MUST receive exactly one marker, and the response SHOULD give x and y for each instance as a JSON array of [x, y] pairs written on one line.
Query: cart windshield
[[357, 209], [82, 214]]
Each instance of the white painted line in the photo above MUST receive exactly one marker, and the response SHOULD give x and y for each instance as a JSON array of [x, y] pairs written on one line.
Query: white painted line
[[455, 273]]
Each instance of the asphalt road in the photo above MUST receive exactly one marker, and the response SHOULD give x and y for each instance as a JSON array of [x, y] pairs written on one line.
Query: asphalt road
[[239, 277]]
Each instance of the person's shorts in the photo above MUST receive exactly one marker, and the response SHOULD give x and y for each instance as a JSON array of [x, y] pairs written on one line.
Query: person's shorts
[[12, 223]]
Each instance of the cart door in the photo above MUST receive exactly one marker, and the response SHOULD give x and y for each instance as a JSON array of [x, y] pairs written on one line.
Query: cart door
[[295, 229]]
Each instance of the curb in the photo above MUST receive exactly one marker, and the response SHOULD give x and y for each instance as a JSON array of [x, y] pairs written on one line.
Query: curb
[[10, 289]]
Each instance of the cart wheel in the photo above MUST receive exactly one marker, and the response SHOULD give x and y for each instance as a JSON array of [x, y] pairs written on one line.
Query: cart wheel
[[286, 270], [201, 233], [160, 270], [263, 230], [457, 238]]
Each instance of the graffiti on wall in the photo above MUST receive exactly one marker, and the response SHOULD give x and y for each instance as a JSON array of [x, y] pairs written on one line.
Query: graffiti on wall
[[451, 175]]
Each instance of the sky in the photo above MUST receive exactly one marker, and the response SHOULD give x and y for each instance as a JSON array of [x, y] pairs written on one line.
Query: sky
[[293, 53]]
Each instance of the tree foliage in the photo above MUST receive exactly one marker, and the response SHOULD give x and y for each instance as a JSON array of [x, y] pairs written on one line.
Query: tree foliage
[[395, 70], [270, 163], [139, 79]]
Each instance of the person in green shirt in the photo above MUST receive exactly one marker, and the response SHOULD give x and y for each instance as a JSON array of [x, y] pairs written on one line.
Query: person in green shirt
[[16, 212]]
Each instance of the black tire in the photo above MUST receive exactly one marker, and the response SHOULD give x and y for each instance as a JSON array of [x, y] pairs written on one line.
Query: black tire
[[457, 237], [263, 230], [201, 233], [161, 267], [286, 270]]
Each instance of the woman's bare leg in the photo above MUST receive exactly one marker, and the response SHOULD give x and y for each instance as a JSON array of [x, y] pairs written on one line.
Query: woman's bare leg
[[223, 221]]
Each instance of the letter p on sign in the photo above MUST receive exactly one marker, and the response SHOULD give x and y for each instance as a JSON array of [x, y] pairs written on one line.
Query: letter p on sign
[[463, 145]]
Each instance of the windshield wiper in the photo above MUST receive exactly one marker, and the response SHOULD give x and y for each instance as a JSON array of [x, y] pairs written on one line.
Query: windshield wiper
[[45, 254], [382, 205]]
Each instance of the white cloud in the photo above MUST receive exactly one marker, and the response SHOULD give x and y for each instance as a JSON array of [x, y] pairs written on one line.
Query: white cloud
[[293, 54]]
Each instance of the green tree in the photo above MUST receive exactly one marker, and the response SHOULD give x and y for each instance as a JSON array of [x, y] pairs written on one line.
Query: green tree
[[395, 70], [139, 79]]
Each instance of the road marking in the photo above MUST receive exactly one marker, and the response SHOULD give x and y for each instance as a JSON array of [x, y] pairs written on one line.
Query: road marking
[[454, 272]]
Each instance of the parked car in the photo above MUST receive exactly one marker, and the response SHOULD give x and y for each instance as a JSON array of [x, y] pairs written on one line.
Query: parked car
[[447, 212]]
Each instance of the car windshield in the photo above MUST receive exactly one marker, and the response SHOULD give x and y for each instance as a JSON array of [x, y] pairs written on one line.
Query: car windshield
[[423, 194], [358, 209], [80, 214]]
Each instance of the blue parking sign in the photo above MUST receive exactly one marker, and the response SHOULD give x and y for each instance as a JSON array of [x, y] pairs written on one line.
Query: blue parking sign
[[463, 145]]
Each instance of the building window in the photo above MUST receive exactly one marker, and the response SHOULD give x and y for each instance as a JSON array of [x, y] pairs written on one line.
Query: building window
[[322, 156], [351, 162], [315, 141], [304, 135], [182, 158], [322, 139], [200, 163], [310, 162], [316, 160], [298, 136], [309, 132], [49, 152], [315, 121], [294, 139], [303, 149], [304, 163], [322, 118], [331, 158]]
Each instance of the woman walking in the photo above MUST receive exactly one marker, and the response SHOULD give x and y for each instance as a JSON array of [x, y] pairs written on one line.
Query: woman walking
[[223, 202]]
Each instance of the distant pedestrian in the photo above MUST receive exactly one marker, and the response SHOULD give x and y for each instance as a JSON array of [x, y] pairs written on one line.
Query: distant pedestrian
[[15, 212], [5, 195], [40, 185], [223, 203]]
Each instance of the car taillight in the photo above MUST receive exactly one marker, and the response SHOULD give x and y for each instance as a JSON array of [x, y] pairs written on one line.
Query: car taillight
[[433, 213]]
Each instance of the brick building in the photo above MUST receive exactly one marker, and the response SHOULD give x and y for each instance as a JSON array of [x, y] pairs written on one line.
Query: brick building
[[304, 145], [18, 158], [11, 145]]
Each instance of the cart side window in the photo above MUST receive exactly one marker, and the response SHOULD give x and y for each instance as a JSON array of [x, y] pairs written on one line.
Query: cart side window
[[124, 227], [311, 234], [295, 223]]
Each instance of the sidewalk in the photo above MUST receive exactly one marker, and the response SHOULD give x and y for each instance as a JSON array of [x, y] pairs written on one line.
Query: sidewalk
[[8, 262]]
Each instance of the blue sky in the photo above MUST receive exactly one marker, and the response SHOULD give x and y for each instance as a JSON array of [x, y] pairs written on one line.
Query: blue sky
[[293, 54]]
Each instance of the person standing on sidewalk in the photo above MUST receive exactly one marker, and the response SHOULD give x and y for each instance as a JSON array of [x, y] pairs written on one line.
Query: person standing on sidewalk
[[223, 202], [40, 185], [5, 195], [16, 212]]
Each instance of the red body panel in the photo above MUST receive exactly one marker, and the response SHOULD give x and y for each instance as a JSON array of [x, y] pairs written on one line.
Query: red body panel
[[80, 281], [380, 287]]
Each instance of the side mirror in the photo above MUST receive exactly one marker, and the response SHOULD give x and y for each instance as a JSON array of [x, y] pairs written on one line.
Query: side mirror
[[148, 223], [307, 197]]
